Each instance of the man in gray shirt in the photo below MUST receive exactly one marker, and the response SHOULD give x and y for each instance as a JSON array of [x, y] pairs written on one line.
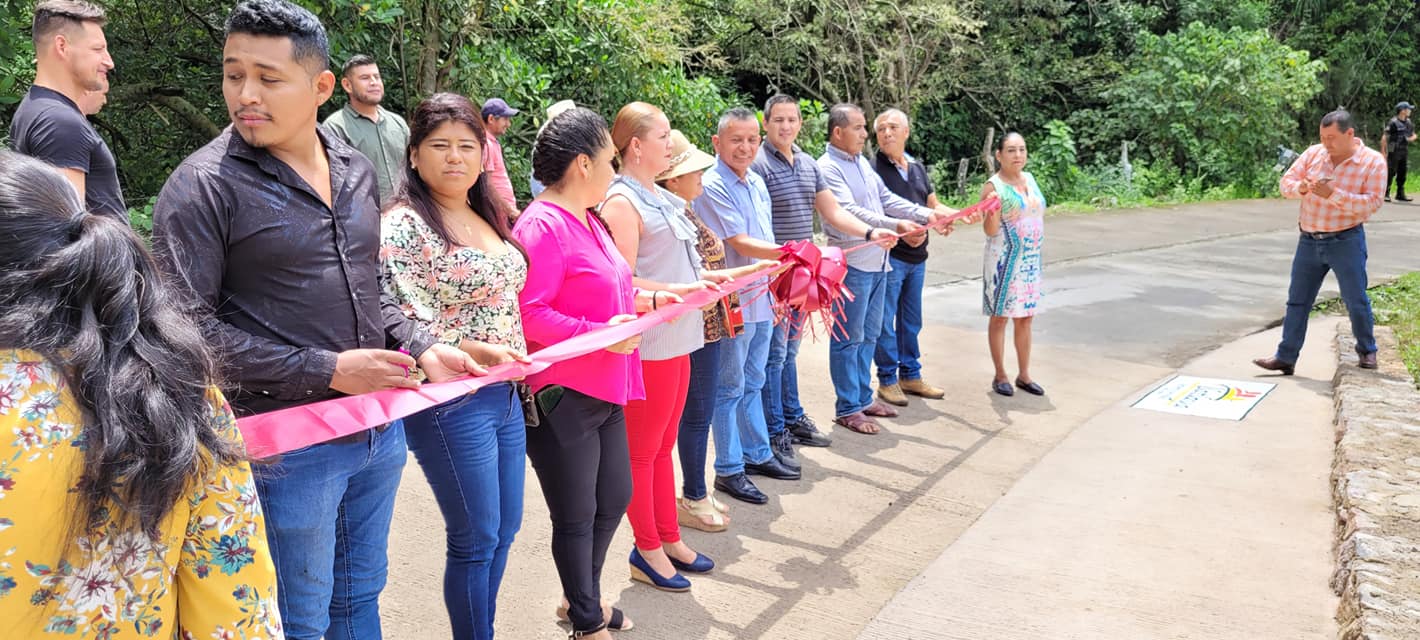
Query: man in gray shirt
[[858, 189], [378, 133], [72, 66]]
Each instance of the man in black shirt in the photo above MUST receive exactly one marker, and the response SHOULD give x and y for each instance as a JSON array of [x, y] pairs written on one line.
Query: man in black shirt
[[898, 354], [1399, 133], [72, 61], [273, 230]]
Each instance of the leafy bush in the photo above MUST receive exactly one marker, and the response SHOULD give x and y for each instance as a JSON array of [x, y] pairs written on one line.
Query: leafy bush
[[1211, 101]]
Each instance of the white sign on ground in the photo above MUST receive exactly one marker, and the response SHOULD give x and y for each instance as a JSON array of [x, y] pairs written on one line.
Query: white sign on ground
[[1206, 397]]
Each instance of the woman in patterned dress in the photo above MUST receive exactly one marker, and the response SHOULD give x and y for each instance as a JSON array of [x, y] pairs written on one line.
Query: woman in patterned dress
[[448, 257], [127, 509], [1011, 278]]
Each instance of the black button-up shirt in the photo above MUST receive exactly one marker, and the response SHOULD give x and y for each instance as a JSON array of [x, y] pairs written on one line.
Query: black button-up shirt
[[280, 281]]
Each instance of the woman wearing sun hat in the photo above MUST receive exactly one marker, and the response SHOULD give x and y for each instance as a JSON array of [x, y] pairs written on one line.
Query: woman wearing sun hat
[[698, 508]]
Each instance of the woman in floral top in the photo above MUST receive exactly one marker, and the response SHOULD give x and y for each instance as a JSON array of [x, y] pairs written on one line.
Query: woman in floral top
[[126, 510], [449, 258]]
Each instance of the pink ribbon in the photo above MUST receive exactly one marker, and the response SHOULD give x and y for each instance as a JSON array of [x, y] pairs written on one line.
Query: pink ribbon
[[269, 434], [813, 283]]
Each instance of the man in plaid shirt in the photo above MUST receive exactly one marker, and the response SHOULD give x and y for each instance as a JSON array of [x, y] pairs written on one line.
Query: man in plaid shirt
[[1340, 183]]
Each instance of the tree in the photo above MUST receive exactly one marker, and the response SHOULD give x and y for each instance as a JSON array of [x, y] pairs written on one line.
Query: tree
[[1212, 102]]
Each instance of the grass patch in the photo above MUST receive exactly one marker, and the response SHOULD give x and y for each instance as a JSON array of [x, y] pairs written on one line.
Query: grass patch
[[1396, 305]]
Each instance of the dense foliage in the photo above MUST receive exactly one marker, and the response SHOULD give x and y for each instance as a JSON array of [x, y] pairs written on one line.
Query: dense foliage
[[1198, 93]]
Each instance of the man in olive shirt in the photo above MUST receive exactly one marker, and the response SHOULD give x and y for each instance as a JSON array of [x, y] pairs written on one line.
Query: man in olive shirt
[[377, 132]]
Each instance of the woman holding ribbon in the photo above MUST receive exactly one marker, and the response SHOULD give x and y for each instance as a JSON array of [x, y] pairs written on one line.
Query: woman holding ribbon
[[1011, 274], [698, 508], [127, 503], [656, 238], [449, 259], [577, 283]]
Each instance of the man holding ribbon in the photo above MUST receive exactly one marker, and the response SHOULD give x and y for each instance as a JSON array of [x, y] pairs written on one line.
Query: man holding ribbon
[[855, 184], [735, 205], [796, 189], [273, 232]]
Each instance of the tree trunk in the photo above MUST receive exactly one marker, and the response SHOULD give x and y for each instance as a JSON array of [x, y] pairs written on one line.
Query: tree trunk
[[428, 73]]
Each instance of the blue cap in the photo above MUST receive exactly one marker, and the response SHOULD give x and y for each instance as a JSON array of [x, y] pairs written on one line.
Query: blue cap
[[496, 107]]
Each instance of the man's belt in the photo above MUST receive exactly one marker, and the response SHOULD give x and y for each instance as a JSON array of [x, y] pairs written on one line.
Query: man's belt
[[1327, 235]]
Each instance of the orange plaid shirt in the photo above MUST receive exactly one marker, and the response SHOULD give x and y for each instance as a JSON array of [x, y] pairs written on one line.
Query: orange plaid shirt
[[1357, 184]]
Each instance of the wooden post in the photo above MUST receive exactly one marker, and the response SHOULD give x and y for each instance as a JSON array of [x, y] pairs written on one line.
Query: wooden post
[[961, 175], [986, 158]]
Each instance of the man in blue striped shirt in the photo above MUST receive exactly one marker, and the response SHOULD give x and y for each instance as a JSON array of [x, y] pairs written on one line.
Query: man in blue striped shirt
[[796, 189]]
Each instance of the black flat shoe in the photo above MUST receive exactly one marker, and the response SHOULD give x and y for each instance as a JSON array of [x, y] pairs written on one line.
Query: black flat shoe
[[739, 487], [772, 468], [1003, 388], [1031, 388]]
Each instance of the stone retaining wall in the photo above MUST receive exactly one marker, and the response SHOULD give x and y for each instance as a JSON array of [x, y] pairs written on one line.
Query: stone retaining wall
[[1376, 490]]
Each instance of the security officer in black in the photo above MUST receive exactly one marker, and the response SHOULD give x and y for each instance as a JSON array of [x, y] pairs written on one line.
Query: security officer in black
[[1399, 133]]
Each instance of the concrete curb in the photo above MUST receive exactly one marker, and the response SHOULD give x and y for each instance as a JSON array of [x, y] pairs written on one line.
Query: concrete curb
[[1376, 491]]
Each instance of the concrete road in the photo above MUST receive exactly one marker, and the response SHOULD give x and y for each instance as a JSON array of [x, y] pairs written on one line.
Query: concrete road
[[1130, 297]]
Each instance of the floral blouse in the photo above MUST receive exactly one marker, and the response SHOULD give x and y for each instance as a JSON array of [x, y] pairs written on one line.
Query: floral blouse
[[209, 575], [712, 251], [463, 293]]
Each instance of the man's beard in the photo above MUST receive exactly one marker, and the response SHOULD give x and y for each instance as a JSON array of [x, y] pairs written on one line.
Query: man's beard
[[364, 98]]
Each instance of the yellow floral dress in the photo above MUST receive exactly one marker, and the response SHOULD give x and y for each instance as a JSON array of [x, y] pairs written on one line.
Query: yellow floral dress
[[209, 575]]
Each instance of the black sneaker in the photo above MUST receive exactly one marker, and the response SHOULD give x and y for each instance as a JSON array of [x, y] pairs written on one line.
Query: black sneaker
[[783, 447], [806, 433], [1402, 198]]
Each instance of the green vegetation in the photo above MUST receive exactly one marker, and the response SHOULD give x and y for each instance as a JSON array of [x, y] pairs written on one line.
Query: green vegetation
[[1397, 305], [1198, 93]]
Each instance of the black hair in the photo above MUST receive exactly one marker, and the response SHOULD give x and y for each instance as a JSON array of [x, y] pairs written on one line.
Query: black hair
[[414, 192], [1001, 141], [52, 15], [838, 115], [776, 100], [1341, 118], [574, 132], [283, 19], [82, 291], [357, 60]]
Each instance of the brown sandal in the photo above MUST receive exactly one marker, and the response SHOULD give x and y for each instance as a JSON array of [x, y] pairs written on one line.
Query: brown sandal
[[859, 423]]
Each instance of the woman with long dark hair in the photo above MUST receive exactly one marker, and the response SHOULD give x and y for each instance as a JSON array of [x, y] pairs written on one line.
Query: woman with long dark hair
[[577, 283], [126, 500], [453, 265]]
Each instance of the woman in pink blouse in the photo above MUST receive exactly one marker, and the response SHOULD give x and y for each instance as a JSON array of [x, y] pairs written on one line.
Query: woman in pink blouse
[[449, 259], [578, 282]]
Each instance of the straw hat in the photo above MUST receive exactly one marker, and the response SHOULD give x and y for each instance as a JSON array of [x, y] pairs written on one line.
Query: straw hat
[[685, 158], [559, 107]]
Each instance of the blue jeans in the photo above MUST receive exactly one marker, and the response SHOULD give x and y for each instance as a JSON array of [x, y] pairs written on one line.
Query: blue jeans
[[695, 420], [738, 426], [850, 352], [897, 351], [471, 450], [1344, 254], [781, 387], [328, 509]]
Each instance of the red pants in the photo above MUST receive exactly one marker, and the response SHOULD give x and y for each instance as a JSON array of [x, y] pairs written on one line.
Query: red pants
[[651, 427]]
